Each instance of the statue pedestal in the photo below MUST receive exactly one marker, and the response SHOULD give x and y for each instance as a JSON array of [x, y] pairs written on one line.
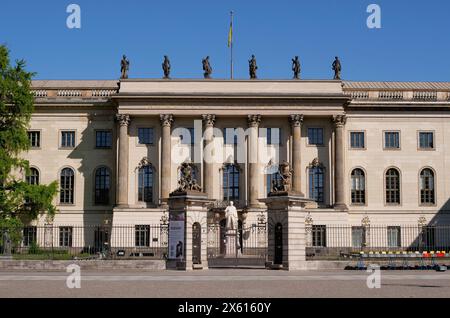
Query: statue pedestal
[[232, 244], [286, 222], [188, 230]]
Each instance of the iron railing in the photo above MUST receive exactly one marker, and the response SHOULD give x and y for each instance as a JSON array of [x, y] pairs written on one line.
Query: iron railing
[[340, 240], [67, 241]]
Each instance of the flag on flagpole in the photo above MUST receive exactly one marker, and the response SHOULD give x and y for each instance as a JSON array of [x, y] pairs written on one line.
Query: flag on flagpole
[[230, 34]]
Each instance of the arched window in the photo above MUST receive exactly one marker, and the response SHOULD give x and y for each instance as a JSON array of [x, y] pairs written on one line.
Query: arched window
[[231, 182], [392, 186], [102, 185], [316, 183], [358, 187], [145, 184], [67, 186], [33, 177], [427, 186]]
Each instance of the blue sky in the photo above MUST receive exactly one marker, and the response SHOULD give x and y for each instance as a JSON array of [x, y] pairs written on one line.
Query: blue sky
[[412, 45]]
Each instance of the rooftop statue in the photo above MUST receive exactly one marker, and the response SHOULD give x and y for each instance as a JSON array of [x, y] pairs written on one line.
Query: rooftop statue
[[337, 68], [296, 67], [124, 67], [252, 67], [166, 67]]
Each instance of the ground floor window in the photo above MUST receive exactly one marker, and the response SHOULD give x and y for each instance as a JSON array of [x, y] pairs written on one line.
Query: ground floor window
[[65, 236], [319, 235], [358, 236], [29, 235], [393, 236], [142, 235]]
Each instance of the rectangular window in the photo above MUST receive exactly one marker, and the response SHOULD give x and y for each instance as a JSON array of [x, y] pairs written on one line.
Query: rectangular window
[[35, 139], [393, 236], [357, 140], [67, 139], [273, 136], [315, 136], [29, 235], [358, 236], [319, 235], [392, 140], [103, 139], [145, 136], [230, 137], [188, 139], [426, 140], [142, 234], [65, 236]]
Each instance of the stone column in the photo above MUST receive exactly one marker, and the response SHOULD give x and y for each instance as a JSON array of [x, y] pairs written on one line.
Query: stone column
[[252, 159], [296, 126], [122, 187], [208, 177], [339, 174], [166, 155]]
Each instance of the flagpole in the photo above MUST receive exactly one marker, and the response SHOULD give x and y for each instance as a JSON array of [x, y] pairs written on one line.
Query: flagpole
[[231, 45]]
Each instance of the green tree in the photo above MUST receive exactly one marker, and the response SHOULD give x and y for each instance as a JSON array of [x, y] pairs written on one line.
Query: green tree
[[18, 200]]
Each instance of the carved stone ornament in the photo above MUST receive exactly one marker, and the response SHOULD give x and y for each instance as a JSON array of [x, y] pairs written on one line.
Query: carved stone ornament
[[315, 164], [187, 181], [145, 162], [166, 119], [422, 221], [296, 120], [209, 119], [254, 120], [365, 221], [123, 119], [340, 120], [284, 184]]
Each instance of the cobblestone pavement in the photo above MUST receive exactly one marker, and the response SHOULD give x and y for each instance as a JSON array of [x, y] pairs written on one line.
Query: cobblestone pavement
[[226, 283]]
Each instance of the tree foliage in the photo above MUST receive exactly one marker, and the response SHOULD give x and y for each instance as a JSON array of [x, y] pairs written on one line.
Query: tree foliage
[[18, 199]]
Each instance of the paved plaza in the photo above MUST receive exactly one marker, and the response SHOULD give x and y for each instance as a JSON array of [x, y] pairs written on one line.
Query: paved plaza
[[226, 284]]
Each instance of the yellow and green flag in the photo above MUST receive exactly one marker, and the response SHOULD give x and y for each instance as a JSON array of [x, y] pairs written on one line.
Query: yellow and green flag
[[230, 35]]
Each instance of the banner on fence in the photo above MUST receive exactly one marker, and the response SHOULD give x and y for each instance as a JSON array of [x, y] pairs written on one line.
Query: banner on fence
[[176, 235]]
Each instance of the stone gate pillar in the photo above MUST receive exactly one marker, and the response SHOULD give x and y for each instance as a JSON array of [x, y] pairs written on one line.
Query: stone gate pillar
[[186, 209], [286, 225]]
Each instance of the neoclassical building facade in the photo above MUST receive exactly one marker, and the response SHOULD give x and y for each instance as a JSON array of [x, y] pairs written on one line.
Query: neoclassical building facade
[[377, 150]]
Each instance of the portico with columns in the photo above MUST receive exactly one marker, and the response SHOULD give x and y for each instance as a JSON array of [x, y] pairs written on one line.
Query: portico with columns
[[289, 106]]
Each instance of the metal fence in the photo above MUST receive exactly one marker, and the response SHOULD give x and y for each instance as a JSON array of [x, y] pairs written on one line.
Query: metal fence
[[324, 241], [67, 241]]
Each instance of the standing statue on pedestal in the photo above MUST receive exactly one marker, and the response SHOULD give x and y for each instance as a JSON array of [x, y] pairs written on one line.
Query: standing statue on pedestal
[[337, 68], [231, 217], [166, 67], [252, 67], [206, 68], [124, 67], [296, 67]]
